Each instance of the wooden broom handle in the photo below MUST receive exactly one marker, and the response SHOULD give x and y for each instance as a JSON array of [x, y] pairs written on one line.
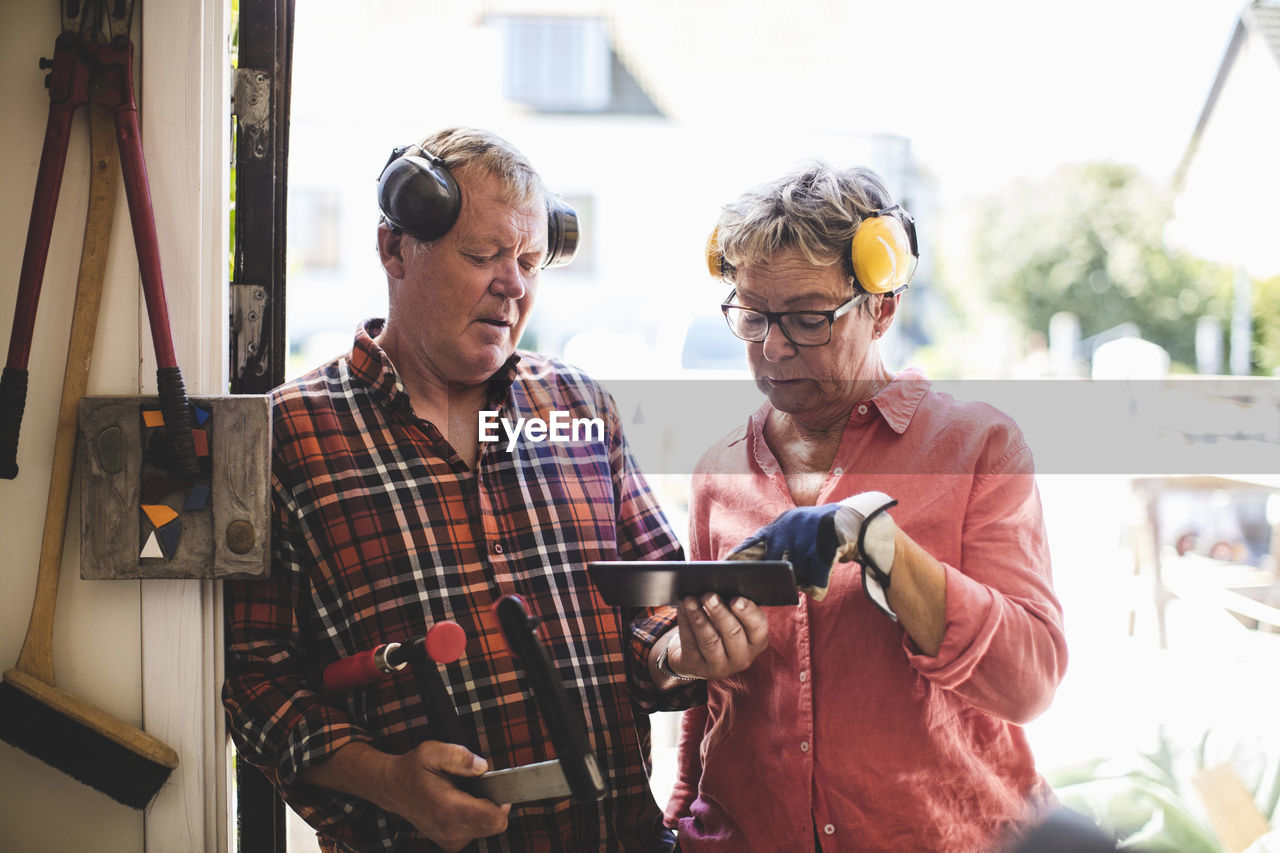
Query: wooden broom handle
[[36, 657]]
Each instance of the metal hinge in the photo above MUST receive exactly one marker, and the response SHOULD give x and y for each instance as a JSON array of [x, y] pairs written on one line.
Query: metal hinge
[[251, 105], [248, 313]]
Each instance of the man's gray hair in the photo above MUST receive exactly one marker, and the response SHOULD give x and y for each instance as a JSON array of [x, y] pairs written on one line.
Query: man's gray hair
[[814, 209], [465, 147]]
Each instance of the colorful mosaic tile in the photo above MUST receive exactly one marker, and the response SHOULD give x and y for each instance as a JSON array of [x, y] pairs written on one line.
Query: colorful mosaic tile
[[152, 547], [198, 497], [164, 499], [159, 514], [169, 535]]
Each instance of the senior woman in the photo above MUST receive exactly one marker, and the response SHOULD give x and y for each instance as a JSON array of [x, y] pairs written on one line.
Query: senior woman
[[886, 711]]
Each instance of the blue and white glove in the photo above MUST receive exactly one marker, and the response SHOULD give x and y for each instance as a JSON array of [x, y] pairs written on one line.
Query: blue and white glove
[[815, 538], [806, 536], [867, 532]]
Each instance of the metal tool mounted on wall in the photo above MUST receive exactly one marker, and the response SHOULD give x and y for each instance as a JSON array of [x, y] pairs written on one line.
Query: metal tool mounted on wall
[[81, 56], [37, 716], [199, 489]]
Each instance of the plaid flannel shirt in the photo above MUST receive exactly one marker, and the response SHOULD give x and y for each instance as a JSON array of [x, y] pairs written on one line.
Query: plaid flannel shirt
[[380, 530]]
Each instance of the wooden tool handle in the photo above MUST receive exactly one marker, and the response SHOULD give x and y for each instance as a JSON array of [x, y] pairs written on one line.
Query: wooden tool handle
[[36, 657]]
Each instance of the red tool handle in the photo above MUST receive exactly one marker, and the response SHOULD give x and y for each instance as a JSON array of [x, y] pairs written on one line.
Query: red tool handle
[[116, 66], [355, 670], [68, 90], [444, 643], [53, 159], [145, 240]]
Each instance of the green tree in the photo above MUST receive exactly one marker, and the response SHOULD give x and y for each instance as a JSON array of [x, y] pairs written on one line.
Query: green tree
[[1266, 326], [1089, 240]]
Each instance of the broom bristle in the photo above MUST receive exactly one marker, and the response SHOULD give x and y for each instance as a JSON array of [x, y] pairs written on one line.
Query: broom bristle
[[77, 750]]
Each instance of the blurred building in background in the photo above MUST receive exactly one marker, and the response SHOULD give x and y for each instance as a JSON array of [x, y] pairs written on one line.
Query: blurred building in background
[[624, 116]]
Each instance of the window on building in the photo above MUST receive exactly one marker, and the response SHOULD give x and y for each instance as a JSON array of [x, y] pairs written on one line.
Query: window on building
[[566, 64], [555, 63]]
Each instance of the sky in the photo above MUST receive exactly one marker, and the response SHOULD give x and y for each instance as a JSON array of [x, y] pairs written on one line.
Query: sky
[[1014, 88]]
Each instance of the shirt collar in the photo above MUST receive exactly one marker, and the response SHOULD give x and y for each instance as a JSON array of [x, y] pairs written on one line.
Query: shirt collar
[[897, 402], [372, 366]]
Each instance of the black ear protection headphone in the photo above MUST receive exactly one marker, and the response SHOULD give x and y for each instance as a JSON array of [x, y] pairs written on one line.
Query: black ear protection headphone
[[882, 255], [419, 196]]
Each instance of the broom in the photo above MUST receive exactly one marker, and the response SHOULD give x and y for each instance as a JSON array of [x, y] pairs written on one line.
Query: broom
[[73, 736]]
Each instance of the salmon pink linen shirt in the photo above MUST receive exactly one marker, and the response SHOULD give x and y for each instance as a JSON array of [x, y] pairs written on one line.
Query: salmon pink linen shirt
[[842, 729]]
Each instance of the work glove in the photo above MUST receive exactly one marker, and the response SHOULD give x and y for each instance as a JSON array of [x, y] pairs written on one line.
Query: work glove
[[815, 538]]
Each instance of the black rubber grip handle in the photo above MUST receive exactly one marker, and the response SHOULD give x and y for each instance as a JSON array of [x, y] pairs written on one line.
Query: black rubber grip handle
[[13, 399], [562, 718], [176, 409]]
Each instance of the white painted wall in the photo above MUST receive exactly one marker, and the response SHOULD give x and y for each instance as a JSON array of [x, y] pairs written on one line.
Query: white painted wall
[[142, 651]]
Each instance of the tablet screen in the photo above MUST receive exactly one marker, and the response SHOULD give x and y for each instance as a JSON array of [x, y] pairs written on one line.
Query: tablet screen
[[653, 583]]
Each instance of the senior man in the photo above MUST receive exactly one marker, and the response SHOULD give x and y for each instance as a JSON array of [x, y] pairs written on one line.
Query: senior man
[[391, 514]]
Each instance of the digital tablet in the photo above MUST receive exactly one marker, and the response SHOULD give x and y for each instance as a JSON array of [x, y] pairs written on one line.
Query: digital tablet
[[653, 583]]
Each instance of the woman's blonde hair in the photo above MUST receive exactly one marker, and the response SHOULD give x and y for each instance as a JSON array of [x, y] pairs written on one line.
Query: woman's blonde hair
[[814, 209]]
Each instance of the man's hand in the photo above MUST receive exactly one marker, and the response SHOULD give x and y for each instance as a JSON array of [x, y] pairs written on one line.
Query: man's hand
[[420, 790], [420, 786], [714, 639]]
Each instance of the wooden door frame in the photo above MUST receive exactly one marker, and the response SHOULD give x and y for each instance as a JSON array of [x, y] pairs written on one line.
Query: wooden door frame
[[183, 94], [257, 291]]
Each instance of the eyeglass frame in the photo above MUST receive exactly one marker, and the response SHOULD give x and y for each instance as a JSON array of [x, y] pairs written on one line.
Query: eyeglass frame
[[774, 318]]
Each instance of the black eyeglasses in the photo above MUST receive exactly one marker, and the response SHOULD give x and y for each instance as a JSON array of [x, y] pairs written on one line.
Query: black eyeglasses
[[802, 328]]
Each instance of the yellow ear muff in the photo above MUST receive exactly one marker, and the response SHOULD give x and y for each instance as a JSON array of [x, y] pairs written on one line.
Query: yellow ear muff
[[715, 260], [881, 253]]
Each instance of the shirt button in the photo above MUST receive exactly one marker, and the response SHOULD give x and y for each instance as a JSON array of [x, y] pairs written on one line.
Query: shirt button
[[862, 410], [804, 676], [804, 746], [839, 472], [497, 547], [829, 829]]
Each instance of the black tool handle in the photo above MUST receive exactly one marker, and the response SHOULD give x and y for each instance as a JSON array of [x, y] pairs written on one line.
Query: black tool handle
[[442, 716], [563, 719], [176, 409], [13, 399]]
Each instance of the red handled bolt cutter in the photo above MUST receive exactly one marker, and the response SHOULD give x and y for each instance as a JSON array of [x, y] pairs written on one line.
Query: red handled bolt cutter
[[82, 52]]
